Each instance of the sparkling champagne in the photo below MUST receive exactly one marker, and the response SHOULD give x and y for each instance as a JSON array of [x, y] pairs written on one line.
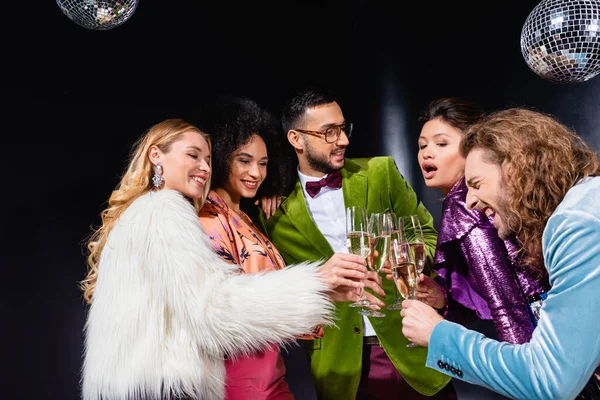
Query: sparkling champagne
[[418, 250], [405, 277], [358, 243], [381, 244]]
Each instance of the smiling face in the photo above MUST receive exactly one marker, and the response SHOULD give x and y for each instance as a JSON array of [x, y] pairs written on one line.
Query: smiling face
[[316, 156], [486, 191], [248, 169], [439, 157], [185, 165]]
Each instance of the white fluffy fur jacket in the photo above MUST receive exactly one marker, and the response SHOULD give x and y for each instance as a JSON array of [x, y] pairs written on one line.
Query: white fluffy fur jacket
[[166, 309]]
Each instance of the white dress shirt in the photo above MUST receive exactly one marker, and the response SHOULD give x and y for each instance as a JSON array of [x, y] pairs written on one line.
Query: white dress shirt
[[328, 211]]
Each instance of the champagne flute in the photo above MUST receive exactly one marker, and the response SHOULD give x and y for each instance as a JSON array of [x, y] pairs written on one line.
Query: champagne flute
[[359, 242], [404, 271], [380, 230], [397, 236], [411, 227], [381, 226]]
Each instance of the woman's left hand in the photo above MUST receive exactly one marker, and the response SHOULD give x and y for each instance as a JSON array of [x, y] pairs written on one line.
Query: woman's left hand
[[418, 321], [430, 292], [386, 270], [268, 205]]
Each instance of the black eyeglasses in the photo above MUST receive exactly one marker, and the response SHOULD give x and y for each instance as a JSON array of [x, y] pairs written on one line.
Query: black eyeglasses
[[331, 134]]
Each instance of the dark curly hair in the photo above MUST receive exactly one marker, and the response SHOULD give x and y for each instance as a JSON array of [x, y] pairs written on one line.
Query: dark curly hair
[[541, 159], [231, 124]]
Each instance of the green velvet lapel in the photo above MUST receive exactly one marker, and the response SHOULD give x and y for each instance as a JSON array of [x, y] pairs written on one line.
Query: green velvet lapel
[[355, 194], [294, 207]]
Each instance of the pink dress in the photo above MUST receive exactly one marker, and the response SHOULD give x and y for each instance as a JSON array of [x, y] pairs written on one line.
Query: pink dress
[[237, 240]]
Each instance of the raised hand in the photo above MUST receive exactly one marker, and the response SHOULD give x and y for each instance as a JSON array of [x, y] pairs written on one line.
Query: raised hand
[[430, 292], [373, 282], [418, 321], [344, 269], [387, 270], [268, 205]]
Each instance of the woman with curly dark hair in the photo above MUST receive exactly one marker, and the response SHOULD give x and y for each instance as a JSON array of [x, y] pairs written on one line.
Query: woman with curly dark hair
[[236, 121], [245, 152]]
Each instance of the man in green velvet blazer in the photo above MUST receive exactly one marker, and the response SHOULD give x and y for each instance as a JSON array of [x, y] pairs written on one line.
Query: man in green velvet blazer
[[307, 228]]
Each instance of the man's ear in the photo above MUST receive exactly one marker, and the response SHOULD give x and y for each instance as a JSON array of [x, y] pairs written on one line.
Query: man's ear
[[154, 155], [295, 139]]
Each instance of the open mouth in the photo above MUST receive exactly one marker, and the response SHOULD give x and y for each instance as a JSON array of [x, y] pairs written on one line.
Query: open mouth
[[339, 154], [429, 170], [492, 216], [199, 180]]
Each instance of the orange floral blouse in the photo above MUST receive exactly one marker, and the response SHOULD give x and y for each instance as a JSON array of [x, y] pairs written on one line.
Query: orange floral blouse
[[238, 241]]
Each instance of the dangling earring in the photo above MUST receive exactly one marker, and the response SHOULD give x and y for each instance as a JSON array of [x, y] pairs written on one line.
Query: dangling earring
[[157, 179]]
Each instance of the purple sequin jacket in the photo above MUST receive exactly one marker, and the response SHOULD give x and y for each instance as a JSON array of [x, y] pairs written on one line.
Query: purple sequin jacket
[[481, 270]]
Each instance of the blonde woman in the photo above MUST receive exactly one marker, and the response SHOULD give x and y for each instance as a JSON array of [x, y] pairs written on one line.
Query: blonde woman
[[165, 309]]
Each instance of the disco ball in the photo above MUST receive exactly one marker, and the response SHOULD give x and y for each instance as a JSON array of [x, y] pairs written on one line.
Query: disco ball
[[98, 14], [560, 40]]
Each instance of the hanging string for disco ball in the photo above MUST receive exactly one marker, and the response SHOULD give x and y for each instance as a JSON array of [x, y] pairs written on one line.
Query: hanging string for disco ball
[[98, 14], [560, 40]]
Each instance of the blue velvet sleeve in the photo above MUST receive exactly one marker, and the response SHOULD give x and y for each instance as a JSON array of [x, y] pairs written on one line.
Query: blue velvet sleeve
[[565, 347]]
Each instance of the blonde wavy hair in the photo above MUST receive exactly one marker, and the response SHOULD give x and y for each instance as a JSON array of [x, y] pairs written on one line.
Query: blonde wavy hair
[[541, 159], [135, 182]]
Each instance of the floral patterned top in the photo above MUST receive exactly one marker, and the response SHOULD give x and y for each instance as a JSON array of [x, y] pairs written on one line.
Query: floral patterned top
[[239, 241]]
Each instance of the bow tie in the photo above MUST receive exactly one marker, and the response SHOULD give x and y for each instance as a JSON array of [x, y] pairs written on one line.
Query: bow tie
[[333, 180]]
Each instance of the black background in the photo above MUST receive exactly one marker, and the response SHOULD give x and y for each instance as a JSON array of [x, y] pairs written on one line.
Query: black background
[[76, 100]]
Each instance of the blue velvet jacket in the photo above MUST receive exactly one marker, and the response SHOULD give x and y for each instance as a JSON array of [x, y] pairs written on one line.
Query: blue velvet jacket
[[565, 347]]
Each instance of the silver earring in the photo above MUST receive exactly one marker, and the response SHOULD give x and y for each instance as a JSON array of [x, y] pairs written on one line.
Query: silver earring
[[157, 179]]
